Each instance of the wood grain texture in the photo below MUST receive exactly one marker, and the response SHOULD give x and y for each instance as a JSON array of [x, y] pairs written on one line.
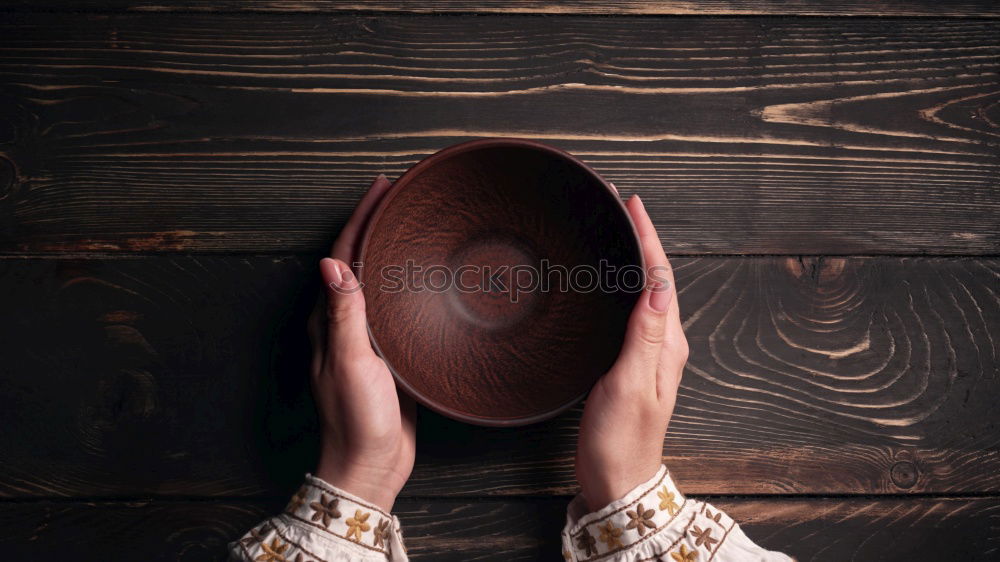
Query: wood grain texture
[[596, 7], [449, 530], [167, 376], [258, 133]]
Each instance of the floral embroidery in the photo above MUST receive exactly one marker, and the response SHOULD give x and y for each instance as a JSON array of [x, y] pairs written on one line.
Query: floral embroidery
[[325, 510], [641, 520], [381, 533], [273, 552], [587, 543], [684, 555], [716, 517], [255, 536], [610, 534], [704, 537], [356, 525], [297, 501], [667, 501]]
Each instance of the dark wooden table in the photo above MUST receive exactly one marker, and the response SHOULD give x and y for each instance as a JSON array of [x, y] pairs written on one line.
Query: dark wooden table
[[826, 178]]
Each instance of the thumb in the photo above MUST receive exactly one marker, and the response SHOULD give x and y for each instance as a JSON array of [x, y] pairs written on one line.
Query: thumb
[[645, 333], [347, 333]]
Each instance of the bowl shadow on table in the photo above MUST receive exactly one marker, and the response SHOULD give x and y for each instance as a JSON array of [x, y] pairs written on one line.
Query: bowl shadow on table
[[453, 458]]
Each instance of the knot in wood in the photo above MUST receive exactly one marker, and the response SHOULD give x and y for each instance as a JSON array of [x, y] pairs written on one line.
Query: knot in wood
[[903, 474]]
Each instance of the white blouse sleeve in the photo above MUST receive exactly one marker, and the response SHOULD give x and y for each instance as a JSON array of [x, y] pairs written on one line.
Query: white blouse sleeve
[[323, 524], [656, 522]]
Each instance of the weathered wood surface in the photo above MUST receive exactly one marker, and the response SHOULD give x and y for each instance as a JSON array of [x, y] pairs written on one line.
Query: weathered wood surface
[[155, 406], [975, 8], [136, 376], [444, 530], [257, 133]]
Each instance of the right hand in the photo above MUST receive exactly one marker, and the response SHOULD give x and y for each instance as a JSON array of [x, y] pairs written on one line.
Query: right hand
[[627, 412]]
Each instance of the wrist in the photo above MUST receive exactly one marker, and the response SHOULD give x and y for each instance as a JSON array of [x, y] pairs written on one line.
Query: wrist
[[600, 496], [367, 483], [610, 487]]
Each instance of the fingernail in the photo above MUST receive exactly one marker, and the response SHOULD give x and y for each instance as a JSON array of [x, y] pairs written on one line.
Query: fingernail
[[613, 186], [659, 297], [636, 197], [333, 277], [381, 177]]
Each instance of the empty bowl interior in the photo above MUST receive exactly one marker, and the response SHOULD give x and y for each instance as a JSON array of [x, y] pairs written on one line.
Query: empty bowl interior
[[449, 261]]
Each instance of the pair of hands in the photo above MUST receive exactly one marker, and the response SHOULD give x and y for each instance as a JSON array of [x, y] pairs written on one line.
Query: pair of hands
[[368, 431]]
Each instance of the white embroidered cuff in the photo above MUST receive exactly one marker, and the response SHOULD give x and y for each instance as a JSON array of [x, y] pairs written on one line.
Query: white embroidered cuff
[[656, 522], [625, 524], [322, 522]]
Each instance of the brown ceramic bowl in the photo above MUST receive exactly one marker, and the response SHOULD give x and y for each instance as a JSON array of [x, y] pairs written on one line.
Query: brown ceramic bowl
[[452, 307]]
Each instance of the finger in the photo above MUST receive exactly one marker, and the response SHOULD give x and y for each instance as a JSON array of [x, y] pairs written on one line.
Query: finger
[[674, 328], [673, 352], [347, 331], [646, 329], [657, 266], [674, 312], [613, 186], [640, 352], [343, 248]]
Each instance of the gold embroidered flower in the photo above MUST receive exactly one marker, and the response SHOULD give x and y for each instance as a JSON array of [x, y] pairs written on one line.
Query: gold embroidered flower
[[273, 552], [610, 534], [381, 533], [567, 556], [704, 537], [325, 509], [587, 543], [297, 501], [684, 555], [357, 525], [641, 520], [667, 501]]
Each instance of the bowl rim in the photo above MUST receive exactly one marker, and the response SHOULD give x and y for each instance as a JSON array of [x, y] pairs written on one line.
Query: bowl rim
[[415, 170]]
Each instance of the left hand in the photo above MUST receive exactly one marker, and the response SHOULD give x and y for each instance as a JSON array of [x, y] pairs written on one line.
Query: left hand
[[367, 429]]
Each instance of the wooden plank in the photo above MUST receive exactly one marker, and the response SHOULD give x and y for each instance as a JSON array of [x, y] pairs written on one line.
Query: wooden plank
[[443, 530], [257, 133], [186, 376], [644, 7]]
